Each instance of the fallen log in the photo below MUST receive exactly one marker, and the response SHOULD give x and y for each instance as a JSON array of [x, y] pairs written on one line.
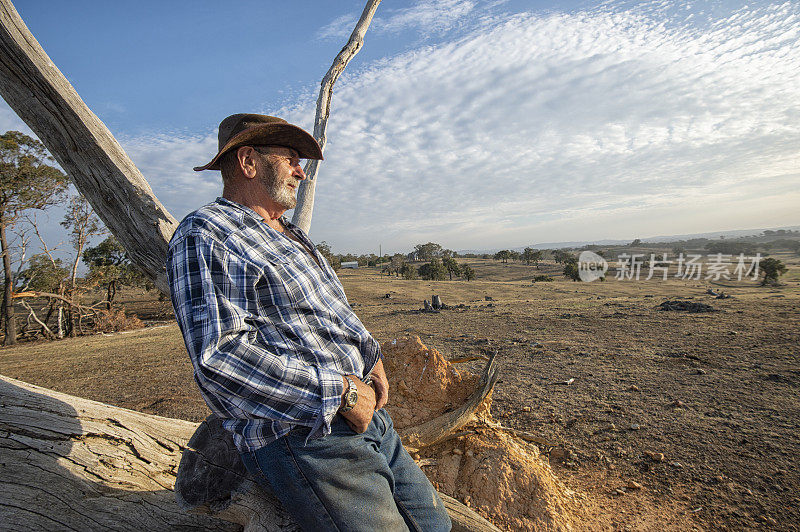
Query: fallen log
[[69, 463]]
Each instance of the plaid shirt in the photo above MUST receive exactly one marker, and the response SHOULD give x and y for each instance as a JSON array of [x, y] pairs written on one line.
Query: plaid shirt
[[268, 329]]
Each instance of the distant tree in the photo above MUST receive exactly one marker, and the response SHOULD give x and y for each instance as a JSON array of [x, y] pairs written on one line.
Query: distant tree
[[731, 248], [503, 255], [772, 268], [82, 224], [433, 271], [27, 181], [530, 255], [563, 257], [325, 250], [451, 266], [110, 265], [515, 255], [43, 275], [428, 251], [636, 242], [571, 270], [467, 272], [408, 271], [396, 264]]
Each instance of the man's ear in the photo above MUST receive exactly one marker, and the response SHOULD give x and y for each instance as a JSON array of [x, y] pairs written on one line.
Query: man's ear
[[246, 156]]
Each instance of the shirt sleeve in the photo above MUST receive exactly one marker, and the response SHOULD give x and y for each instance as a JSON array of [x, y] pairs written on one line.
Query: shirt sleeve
[[241, 349]]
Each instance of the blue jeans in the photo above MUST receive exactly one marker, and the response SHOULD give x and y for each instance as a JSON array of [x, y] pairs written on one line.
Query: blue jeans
[[348, 481]]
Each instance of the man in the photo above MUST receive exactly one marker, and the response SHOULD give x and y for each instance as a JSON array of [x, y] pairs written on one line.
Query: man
[[279, 354]]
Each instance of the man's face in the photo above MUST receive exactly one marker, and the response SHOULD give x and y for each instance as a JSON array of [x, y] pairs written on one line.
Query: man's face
[[281, 174]]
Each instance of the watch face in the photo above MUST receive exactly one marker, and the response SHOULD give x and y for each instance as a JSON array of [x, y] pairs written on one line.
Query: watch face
[[351, 398]]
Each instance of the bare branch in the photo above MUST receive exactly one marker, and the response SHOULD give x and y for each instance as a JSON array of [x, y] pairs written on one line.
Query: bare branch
[[305, 196]]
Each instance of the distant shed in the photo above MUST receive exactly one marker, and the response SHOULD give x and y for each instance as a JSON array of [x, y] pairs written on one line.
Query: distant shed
[[353, 265]]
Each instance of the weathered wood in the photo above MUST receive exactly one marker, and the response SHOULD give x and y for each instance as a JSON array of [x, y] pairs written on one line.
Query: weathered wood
[[68, 463], [83, 146], [439, 428], [305, 195]]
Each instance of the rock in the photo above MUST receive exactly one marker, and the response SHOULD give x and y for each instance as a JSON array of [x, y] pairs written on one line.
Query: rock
[[634, 388], [677, 403], [526, 409], [635, 426], [559, 454], [488, 298], [655, 457], [457, 451], [700, 371], [676, 465], [619, 491], [633, 485]]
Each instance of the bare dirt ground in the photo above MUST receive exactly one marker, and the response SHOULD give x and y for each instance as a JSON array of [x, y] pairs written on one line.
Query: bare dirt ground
[[673, 421]]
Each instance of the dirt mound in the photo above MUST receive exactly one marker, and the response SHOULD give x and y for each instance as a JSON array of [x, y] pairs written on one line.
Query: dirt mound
[[424, 384], [500, 477]]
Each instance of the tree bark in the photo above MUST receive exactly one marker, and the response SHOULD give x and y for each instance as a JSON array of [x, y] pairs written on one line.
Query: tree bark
[[38, 92], [9, 321], [305, 196]]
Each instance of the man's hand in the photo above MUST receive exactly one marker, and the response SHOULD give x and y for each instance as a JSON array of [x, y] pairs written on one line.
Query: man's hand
[[381, 385], [360, 416]]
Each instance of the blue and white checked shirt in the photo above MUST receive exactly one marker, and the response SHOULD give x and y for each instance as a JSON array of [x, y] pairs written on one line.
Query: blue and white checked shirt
[[269, 331]]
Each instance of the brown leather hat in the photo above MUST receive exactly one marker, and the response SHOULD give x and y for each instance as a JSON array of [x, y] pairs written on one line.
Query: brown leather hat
[[249, 129]]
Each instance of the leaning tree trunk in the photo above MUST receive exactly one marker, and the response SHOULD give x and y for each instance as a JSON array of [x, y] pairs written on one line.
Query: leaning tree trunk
[[101, 170], [74, 464]]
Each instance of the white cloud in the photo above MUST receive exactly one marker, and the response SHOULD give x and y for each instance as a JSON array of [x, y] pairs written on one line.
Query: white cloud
[[427, 16], [566, 117]]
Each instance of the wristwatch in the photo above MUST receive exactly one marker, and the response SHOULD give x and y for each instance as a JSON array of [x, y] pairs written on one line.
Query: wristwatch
[[351, 396]]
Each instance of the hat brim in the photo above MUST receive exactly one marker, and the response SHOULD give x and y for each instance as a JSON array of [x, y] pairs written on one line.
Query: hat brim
[[287, 135]]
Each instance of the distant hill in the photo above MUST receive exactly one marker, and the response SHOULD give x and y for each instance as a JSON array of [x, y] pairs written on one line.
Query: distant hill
[[736, 233]]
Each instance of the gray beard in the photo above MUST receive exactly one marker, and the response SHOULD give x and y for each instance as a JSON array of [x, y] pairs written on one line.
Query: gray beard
[[277, 190]]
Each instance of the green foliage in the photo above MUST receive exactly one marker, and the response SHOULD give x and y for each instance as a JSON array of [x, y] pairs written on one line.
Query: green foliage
[[571, 270], [772, 268], [433, 271], [108, 262], [428, 251], [530, 255], [43, 275], [324, 249], [503, 255], [451, 266], [27, 181], [636, 242], [467, 272], [563, 257], [408, 271], [542, 279]]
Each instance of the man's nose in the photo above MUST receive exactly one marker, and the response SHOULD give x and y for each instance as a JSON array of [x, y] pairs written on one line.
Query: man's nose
[[298, 172]]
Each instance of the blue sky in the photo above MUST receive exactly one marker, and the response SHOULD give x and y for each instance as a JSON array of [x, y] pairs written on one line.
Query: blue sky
[[475, 124]]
